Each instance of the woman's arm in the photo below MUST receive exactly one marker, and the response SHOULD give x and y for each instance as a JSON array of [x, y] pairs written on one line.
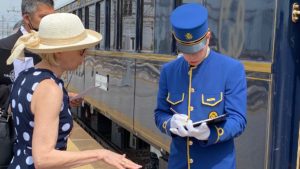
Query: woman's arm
[[75, 102], [46, 104]]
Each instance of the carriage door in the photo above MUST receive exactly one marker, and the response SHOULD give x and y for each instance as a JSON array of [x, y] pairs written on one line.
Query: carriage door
[[295, 45]]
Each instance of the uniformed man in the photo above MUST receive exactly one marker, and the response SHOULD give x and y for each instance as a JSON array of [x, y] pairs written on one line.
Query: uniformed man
[[201, 84]]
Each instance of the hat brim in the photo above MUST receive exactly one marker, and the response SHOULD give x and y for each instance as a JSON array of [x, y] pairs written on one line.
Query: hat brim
[[92, 39], [190, 49]]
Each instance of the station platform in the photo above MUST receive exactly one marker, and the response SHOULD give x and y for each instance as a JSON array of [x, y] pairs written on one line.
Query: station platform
[[80, 140]]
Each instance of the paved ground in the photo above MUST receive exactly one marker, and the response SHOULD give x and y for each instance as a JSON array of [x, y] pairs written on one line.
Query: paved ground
[[81, 140]]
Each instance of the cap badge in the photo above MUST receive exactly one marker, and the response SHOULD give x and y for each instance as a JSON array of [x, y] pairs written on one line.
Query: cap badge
[[188, 36]]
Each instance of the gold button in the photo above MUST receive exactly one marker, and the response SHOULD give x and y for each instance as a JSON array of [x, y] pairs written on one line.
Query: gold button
[[190, 143], [220, 131], [192, 90], [164, 125], [192, 108], [191, 161]]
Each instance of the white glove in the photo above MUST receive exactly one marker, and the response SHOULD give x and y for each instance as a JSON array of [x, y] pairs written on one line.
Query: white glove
[[201, 132], [178, 121]]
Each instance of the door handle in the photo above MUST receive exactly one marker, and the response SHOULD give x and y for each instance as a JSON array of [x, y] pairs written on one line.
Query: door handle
[[295, 12]]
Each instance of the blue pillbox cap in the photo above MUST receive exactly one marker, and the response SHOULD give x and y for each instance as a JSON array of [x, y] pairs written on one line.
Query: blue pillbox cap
[[189, 23]]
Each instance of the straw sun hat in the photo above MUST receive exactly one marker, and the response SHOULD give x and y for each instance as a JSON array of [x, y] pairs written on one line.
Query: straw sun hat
[[58, 32]]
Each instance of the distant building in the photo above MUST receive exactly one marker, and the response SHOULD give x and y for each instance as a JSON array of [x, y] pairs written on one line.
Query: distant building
[[17, 26], [10, 15]]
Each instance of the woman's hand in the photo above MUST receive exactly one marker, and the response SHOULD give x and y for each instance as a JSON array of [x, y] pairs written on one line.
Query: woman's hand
[[75, 102], [117, 160]]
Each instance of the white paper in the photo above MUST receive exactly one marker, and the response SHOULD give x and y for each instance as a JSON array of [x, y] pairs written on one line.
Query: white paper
[[101, 81], [20, 65], [84, 92]]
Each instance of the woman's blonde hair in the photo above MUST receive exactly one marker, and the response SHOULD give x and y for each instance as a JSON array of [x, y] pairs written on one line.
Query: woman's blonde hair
[[50, 58]]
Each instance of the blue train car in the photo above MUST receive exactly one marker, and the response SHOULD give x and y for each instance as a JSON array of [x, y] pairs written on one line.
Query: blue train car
[[263, 34]]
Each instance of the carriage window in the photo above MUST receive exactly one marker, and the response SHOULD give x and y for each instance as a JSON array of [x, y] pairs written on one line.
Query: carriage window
[[129, 24], [192, 1], [79, 13], [83, 16], [91, 17], [127, 7], [162, 27], [239, 28], [100, 21], [86, 17], [148, 26], [113, 25]]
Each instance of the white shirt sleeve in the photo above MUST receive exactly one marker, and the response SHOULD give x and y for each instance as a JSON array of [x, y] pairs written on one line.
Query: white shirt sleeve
[[20, 65]]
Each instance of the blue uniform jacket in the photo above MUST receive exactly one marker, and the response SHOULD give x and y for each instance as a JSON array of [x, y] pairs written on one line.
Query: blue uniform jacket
[[216, 86]]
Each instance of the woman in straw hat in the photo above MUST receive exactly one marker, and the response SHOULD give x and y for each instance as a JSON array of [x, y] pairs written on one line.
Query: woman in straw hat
[[40, 103]]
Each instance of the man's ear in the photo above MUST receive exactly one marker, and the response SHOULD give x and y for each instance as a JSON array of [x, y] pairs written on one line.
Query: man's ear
[[26, 22], [208, 37], [25, 18]]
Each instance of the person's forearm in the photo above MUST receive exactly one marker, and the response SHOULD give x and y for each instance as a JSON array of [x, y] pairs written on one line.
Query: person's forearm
[[66, 159]]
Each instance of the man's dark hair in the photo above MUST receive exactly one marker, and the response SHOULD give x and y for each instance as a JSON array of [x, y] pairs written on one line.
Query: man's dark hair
[[30, 6]]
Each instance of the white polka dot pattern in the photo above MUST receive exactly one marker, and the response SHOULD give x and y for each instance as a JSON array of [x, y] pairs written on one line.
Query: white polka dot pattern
[[37, 73], [66, 127], [26, 136], [66, 138], [29, 160], [13, 103], [29, 97], [20, 107], [23, 81], [60, 85], [24, 119], [31, 123], [17, 120], [34, 86], [18, 152]]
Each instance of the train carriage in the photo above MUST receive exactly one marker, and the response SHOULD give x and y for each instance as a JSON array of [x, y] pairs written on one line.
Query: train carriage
[[263, 34]]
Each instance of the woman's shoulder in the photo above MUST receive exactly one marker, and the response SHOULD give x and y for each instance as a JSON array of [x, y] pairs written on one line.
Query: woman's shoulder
[[36, 75], [49, 86], [32, 77]]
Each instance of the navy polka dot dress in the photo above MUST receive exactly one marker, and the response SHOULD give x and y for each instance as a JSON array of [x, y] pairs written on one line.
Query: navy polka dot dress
[[22, 92]]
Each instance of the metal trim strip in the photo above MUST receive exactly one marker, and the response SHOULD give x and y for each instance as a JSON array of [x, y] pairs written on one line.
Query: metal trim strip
[[253, 66]]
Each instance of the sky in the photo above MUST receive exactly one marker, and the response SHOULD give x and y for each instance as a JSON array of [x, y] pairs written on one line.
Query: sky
[[10, 13], [14, 6], [10, 8]]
